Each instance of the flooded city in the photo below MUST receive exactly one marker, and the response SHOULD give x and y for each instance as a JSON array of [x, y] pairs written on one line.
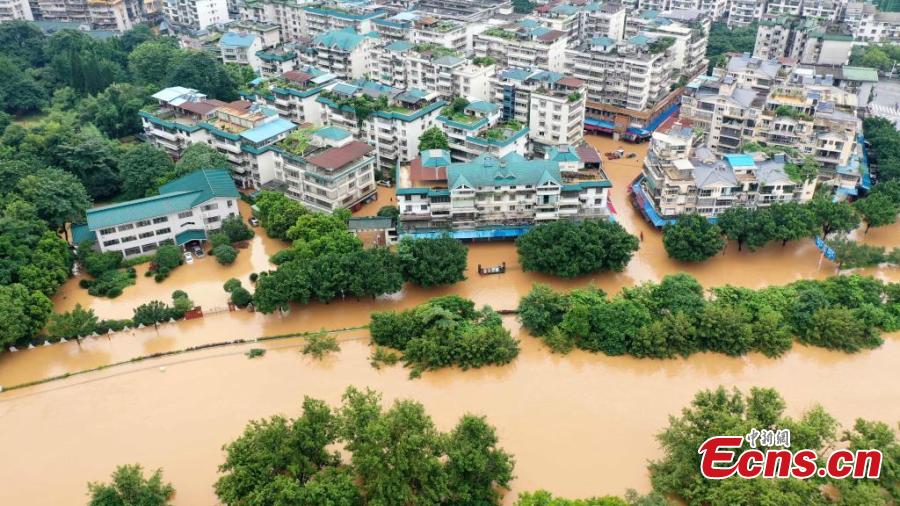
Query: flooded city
[[579, 424]]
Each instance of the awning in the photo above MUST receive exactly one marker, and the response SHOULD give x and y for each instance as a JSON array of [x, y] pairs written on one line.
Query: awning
[[190, 235]]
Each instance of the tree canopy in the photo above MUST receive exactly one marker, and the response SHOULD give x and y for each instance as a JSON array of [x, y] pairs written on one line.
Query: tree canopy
[[569, 249], [692, 238], [433, 138], [129, 487], [430, 262]]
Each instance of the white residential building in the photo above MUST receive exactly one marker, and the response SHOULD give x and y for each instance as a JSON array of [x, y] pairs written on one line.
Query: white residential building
[[342, 52], [241, 49], [869, 24], [479, 130], [15, 9], [294, 95], [556, 114], [187, 210], [196, 14], [603, 20], [432, 68], [744, 12], [337, 15], [517, 45], [499, 197]]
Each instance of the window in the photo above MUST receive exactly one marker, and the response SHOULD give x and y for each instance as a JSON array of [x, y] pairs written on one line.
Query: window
[[127, 226], [210, 207], [132, 251], [148, 247], [143, 223], [230, 203], [424, 207], [128, 238], [144, 235], [186, 214], [111, 243], [162, 231], [161, 219], [107, 231], [212, 219]]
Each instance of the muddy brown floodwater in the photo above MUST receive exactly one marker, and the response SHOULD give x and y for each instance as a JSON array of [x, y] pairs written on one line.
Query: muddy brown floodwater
[[578, 425]]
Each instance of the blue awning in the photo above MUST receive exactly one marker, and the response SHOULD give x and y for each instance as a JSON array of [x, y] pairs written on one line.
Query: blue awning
[[488, 233], [190, 235]]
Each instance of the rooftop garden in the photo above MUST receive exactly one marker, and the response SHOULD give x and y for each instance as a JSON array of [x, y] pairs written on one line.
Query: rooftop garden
[[661, 44], [363, 106], [500, 32], [484, 61], [574, 96], [444, 26], [436, 50], [502, 131], [298, 142], [786, 111]]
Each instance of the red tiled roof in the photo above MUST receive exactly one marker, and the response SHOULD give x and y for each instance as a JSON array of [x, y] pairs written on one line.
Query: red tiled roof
[[571, 82], [240, 104], [202, 108], [551, 35], [588, 154], [335, 158], [297, 76], [418, 174]]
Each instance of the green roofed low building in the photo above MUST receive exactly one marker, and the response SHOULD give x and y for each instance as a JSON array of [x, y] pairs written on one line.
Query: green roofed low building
[[186, 211], [505, 194]]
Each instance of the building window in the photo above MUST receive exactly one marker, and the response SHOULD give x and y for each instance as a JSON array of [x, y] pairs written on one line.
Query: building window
[[111, 243], [186, 214], [212, 219], [107, 231], [230, 203], [163, 231], [210, 207], [144, 235], [161, 219], [148, 247], [143, 223], [128, 238], [127, 226], [132, 251]]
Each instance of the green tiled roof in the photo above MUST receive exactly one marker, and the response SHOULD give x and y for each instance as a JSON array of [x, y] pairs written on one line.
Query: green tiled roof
[[488, 170], [863, 74], [190, 235], [81, 233], [177, 196]]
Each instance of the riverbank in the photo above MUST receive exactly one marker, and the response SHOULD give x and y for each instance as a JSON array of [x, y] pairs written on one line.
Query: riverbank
[[580, 424]]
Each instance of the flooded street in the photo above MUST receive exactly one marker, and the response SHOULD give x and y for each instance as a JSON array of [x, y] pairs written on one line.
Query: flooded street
[[578, 425]]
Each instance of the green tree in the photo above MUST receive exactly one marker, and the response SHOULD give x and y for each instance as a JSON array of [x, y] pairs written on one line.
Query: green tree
[[852, 254], [236, 230], [129, 487], [833, 216], [320, 344], [151, 61], [23, 313], [57, 195], [142, 167], [725, 328], [77, 323], [196, 157], [429, 262], [877, 210], [544, 498], [241, 297], [433, 138], [392, 212], [167, 257], [152, 313], [278, 213], [753, 227], [476, 468], [114, 111], [613, 325], [792, 221], [542, 309], [24, 42], [19, 92], [225, 254], [201, 71], [569, 249], [692, 238], [840, 328], [231, 285]]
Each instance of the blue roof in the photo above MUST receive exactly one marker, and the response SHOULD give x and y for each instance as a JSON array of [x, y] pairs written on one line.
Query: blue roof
[[435, 158], [516, 74], [740, 160], [639, 40], [563, 154], [488, 170], [484, 233], [345, 39], [344, 89], [400, 45], [237, 39], [333, 133], [190, 235], [602, 41], [449, 60], [179, 195], [81, 233], [482, 106], [268, 130]]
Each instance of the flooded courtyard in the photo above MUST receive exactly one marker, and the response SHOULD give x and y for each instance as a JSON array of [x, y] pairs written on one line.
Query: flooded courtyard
[[578, 424]]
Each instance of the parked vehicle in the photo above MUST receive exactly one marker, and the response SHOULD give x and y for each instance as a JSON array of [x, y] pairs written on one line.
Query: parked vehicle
[[631, 155], [386, 183], [253, 221], [198, 252], [188, 258]]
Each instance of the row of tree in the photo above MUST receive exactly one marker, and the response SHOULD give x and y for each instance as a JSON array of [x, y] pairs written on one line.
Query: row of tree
[[443, 332], [397, 456], [327, 261], [884, 148], [675, 317]]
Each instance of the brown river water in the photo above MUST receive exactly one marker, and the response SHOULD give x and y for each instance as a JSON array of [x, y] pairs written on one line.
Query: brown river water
[[578, 424]]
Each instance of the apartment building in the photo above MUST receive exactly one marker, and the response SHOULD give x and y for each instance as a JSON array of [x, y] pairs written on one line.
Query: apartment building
[[110, 15], [869, 24], [113, 15], [752, 72], [499, 197], [744, 12], [801, 39], [726, 108], [241, 49], [242, 131], [603, 19], [556, 114], [342, 52], [196, 14], [433, 68], [467, 11], [630, 81], [329, 171], [278, 60], [523, 46], [479, 129], [392, 122], [561, 17], [333, 15], [268, 33], [293, 94], [187, 210], [15, 9], [680, 177], [288, 16]]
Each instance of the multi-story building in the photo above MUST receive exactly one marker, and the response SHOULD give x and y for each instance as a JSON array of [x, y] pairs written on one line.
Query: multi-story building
[[468, 11], [293, 95], [186, 211], [241, 49], [288, 16], [114, 15], [109, 15], [800, 39], [728, 110], [337, 15], [499, 197], [744, 12], [196, 14], [268, 33], [432, 68], [15, 9], [328, 171], [342, 52], [562, 17], [479, 129], [556, 113], [278, 60], [240, 130], [603, 20], [681, 176], [629, 82], [869, 24], [522, 46], [752, 72], [392, 121]]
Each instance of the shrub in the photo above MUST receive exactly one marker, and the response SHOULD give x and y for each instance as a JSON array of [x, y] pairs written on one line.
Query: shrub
[[255, 352], [383, 356], [218, 239], [167, 257], [236, 230], [320, 344], [253, 277], [225, 254], [110, 283], [231, 284], [240, 297], [692, 238]]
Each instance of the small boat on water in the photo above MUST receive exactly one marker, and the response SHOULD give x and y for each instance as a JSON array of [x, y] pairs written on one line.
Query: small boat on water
[[497, 269]]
